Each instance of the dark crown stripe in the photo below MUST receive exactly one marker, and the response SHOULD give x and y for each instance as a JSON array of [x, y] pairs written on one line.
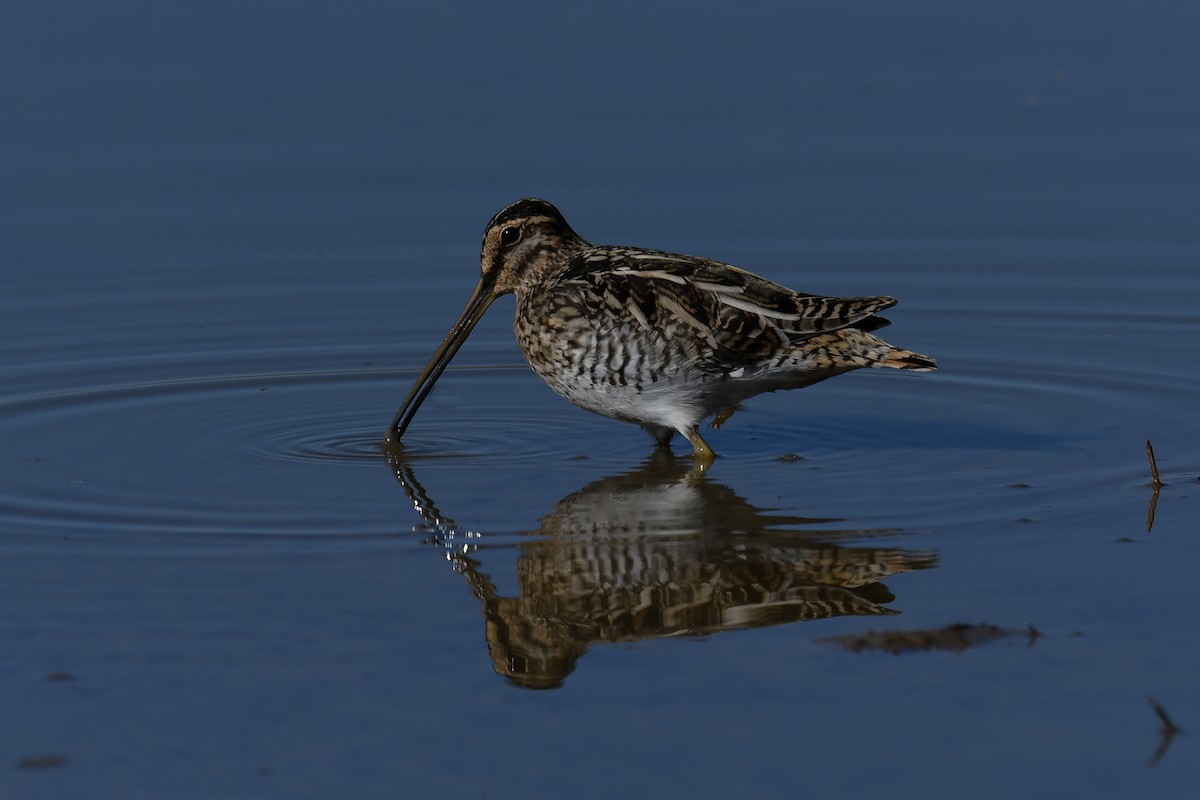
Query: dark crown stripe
[[529, 207]]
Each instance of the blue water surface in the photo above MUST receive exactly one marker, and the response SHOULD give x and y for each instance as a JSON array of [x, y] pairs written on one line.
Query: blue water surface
[[231, 235]]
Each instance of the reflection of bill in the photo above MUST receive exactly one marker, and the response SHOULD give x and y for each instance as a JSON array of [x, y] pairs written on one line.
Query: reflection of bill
[[660, 551]]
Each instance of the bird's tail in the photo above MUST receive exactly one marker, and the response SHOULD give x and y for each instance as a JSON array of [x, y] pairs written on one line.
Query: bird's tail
[[850, 348], [907, 359]]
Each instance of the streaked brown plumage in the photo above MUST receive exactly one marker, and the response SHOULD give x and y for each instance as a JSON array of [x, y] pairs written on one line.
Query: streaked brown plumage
[[659, 339]]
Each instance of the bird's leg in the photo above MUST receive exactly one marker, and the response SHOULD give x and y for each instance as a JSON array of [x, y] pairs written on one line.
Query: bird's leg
[[702, 454], [662, 434]]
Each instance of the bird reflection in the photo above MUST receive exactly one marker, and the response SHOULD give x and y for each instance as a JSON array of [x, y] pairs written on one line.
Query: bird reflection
[[659, 551]]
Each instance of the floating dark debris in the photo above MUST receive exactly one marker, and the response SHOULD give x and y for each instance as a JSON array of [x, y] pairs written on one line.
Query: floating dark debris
[[955, 638], [44, 761]]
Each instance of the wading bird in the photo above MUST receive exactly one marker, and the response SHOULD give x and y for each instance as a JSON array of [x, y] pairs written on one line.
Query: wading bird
[[658, 339]]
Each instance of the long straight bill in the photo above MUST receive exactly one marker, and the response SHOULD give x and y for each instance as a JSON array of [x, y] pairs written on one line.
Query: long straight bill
[[479, 302]]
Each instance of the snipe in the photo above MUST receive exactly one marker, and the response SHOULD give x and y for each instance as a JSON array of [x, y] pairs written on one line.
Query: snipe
[[658, 339]]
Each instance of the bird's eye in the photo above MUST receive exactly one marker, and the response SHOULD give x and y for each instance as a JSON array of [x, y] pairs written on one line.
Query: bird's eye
[[510, 236]]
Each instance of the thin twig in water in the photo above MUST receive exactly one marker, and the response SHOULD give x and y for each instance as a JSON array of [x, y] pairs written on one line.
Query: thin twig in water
[[1166, 733], [1155, 482], [1153, 465]]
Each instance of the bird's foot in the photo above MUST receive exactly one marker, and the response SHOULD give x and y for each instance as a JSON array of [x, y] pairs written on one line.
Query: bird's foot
[[723, 416]]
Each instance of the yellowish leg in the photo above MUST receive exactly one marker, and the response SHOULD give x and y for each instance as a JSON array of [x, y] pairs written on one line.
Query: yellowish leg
[[723, 416], [702, 455]]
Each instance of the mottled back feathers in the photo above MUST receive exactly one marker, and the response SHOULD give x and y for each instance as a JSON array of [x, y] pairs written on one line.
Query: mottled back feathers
[[742, 318]]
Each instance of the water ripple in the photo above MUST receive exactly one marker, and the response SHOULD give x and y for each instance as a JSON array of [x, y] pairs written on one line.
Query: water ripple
[[134, 457], [189, 455]]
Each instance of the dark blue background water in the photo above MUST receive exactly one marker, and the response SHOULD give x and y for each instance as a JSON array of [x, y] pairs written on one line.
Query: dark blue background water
[[231, 234]]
